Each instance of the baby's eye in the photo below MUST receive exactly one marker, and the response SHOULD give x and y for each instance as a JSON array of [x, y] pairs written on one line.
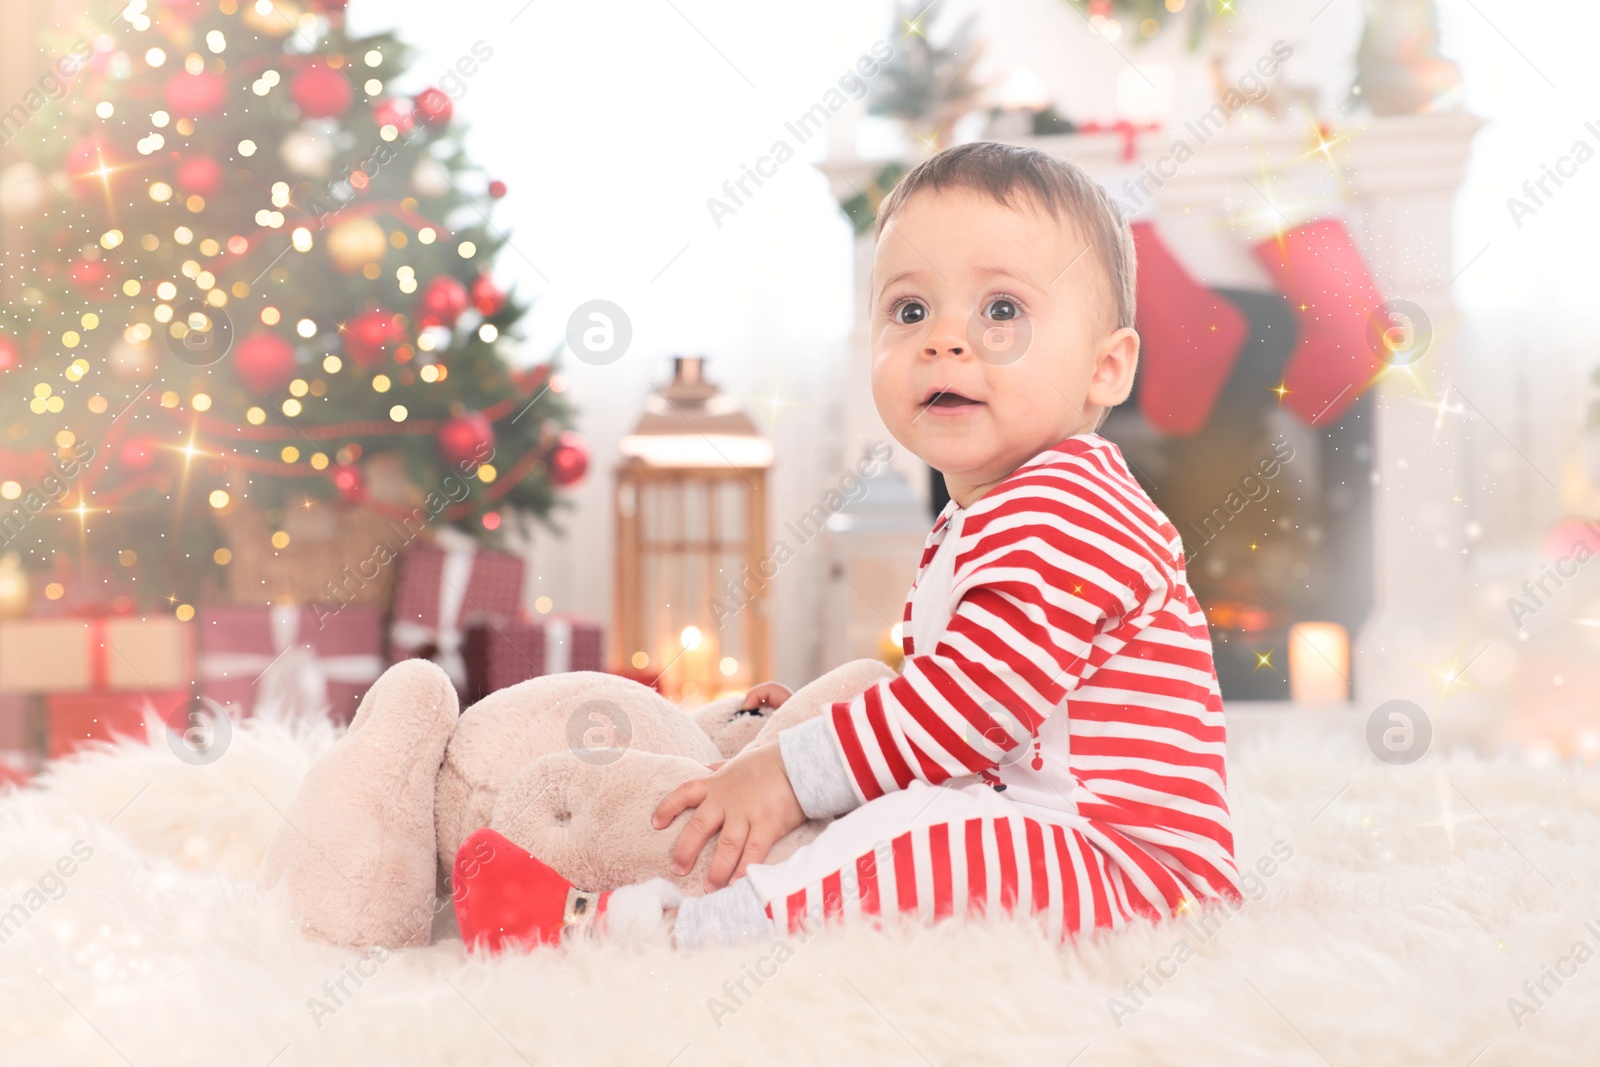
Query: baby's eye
[[908, 313], [1003, 309]]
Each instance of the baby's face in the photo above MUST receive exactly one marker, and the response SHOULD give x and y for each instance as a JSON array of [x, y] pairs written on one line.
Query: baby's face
[[999, 318]]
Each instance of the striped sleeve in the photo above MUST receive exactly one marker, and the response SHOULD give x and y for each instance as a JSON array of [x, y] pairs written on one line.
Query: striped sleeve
[[1051, 566]]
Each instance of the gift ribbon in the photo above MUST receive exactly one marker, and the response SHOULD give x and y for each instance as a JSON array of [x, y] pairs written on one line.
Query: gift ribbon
[[97, 657], [557, 646], [97, 616], [292, 676], [454, 574], [1127, 130]]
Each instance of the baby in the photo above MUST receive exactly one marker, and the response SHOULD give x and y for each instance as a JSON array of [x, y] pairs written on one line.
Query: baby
[[1054, 743]]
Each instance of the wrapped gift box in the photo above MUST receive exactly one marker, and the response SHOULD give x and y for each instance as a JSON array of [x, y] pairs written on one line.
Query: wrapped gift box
[[19, 724], [508, 651], [102, 652], [301, 658], [441, 592], [73, 719]]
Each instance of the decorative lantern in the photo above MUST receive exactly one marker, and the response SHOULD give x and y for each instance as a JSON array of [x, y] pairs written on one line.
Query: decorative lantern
[[692, 571]]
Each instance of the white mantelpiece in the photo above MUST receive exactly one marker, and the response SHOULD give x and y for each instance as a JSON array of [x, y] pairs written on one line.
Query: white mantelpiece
[[1393, 182]]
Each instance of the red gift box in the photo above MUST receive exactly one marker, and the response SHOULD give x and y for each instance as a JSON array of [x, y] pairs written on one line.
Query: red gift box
[[509, 651], [72, 719], [441, 592], [18, 724], [301, 658]]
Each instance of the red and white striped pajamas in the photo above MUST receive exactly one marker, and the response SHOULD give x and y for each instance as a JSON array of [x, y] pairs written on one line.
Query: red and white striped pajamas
[[1054, 741]]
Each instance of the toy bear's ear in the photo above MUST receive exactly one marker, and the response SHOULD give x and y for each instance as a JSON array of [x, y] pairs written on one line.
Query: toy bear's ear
[[729, 726]]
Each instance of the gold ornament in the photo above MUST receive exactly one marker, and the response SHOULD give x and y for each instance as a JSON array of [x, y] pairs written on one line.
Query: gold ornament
[[277, 21], [13, 587], [22, 190], [131, 362], [356, 242]]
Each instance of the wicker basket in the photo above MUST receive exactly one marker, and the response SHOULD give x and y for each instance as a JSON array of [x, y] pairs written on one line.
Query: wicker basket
[[335, 552]]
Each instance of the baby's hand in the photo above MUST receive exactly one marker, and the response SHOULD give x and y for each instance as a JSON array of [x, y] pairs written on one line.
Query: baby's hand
[[769, 693], [749, 799]]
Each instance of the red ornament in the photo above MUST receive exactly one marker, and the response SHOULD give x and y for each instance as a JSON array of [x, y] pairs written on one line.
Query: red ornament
[[569, 460], [394, 113], [137, 453], [184, 10], [441, 302], [433, 107], [320, 92], [487, 297], [10, 354], [199, 174], [1572, 537], [263, 361], [351, 485], [497, 188], [90, 277], [466, 439], [372, 335], [196, 94]]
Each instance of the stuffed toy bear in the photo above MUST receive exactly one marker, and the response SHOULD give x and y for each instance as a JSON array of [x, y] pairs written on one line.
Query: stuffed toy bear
[[568, 766]]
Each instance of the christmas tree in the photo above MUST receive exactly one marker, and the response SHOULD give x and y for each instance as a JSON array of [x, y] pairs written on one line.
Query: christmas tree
[[237, 272]]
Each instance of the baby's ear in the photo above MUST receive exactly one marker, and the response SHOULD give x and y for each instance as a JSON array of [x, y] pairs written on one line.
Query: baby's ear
[[1116, 361]]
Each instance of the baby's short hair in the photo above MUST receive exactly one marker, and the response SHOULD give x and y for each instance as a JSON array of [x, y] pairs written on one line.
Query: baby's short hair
[[1061, 187]]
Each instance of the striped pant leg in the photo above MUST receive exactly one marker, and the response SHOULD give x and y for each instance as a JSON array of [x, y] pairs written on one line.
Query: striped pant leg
[[958, 854]]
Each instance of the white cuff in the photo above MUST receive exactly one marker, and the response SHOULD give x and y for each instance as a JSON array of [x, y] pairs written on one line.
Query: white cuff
[[816, 770]]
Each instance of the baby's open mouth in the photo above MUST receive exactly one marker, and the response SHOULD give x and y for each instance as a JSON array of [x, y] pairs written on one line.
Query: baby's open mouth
[[948, 398]]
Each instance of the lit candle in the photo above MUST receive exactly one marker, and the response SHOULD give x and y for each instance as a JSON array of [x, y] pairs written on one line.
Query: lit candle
[[1319, 663]]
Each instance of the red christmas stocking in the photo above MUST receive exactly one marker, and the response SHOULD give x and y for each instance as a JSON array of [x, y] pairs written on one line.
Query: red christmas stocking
[[1189, 339], [1317, 267]]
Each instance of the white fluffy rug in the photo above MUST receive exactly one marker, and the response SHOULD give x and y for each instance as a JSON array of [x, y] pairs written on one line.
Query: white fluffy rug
[[1414, 904]]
